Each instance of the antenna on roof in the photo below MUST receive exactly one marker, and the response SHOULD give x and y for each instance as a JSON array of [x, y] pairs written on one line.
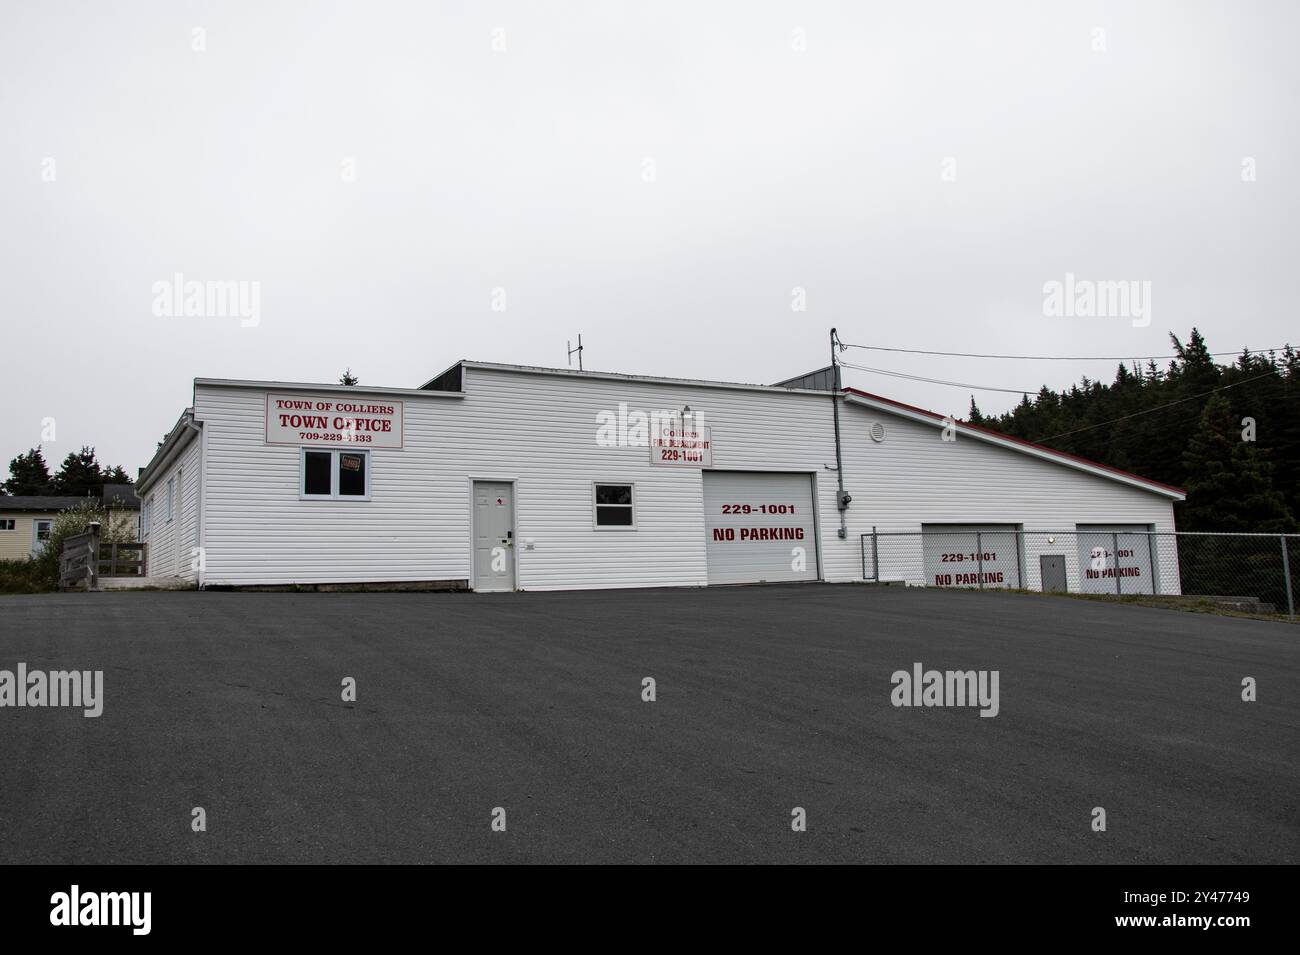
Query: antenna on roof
[[572, 351]]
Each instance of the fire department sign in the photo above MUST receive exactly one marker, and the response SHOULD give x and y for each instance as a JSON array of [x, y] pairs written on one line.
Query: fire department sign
[[682, 446]]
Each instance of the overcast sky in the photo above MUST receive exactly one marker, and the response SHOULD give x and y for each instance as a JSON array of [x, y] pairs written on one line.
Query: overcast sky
[[659, 176]]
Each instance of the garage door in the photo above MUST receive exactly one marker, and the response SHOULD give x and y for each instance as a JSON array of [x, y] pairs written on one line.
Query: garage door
[[759, 527], [1107, 549], [971, 555]]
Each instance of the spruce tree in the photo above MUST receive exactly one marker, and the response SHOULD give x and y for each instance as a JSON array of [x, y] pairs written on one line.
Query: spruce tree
[[79, 474], [28, 474], [117, 475], [1229, 480]]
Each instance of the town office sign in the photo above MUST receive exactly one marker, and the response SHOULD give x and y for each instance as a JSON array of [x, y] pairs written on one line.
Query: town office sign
[[330, 420]]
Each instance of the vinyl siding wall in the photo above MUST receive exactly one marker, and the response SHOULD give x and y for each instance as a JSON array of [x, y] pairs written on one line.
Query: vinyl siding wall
[[17, 543], [169, 551], [536, 430], [539, 431], [914, 477]]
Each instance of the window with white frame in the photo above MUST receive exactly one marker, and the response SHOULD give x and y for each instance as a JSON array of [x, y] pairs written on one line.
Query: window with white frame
[[7, 524], [614, 505], [171, 496], [334, 475], [146, 515]]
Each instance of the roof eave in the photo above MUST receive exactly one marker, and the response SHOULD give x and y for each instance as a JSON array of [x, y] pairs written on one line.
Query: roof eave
[[634, 379], [180, 435], [321, 386]]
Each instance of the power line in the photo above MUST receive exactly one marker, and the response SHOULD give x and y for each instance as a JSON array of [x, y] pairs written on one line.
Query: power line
[[1015, 391], [959, 354], [939, 381], [1156, 408]]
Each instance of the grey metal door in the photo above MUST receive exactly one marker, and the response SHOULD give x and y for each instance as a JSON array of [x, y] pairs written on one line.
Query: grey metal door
[[494, 535], [1053, 571]]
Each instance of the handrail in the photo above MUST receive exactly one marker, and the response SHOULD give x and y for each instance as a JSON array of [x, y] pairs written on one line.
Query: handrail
[[114, 562]]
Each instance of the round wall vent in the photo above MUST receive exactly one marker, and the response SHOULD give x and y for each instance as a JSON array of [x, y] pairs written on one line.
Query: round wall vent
[[877, 432]]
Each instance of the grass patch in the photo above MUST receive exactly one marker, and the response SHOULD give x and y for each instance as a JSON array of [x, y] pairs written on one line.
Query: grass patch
[[1190, 604]]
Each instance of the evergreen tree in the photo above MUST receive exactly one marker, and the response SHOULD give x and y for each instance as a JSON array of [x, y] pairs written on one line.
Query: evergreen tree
[[1147, 417], [347, 378], [974, 417], [28, 474], [1196, 369], [117, 475], [1230, 481], [79, 474]]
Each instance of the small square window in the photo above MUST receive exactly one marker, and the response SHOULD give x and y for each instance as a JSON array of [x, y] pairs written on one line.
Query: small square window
[[7, 524], [335, 474], [614, 505]]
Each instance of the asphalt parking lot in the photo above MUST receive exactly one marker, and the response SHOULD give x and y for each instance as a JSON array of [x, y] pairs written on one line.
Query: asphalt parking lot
[[767, 698]]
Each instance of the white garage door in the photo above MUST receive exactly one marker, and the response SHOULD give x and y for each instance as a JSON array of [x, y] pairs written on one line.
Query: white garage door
[[759, 527], [971, 555], [1105, 549]]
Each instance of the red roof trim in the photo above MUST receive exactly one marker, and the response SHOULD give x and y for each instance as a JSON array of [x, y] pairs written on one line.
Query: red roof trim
[[1006, 437]]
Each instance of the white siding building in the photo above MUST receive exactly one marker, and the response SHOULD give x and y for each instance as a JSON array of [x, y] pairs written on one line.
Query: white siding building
[[498, 477]]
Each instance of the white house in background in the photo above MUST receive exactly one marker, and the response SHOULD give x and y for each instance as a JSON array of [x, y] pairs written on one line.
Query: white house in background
[[26, 522], [502, 477]]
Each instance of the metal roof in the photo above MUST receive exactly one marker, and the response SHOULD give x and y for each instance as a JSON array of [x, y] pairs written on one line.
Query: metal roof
[[619, 376]]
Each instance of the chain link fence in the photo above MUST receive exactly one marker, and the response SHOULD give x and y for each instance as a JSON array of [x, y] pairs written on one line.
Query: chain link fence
[[1252, 572]]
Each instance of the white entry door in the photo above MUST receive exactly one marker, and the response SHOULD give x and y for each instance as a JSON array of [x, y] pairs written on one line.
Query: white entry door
[[494, 535], [40, 535]]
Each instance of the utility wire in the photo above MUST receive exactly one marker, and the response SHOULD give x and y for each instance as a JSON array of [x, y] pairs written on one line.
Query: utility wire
[[1014, 391], [938, 381], [959, 354], [1156, 408]]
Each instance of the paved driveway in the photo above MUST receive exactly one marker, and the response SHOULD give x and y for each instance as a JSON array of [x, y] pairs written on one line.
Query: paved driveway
[[768, 698]]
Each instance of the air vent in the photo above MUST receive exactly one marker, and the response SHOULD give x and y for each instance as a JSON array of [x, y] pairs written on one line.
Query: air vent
[[877, 432]]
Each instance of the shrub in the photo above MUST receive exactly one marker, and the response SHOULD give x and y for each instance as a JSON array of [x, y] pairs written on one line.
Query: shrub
[[22, 577]]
